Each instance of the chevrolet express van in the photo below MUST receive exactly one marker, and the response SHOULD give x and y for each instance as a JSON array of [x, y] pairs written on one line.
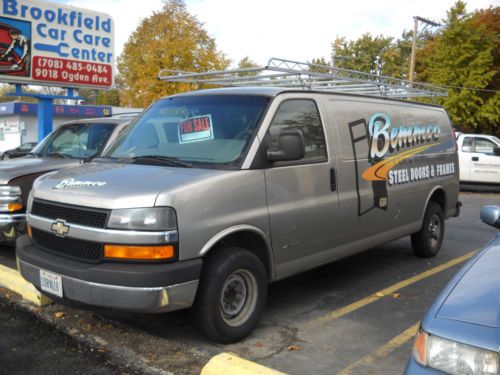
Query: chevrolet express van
[[213, 194], [71, 144]]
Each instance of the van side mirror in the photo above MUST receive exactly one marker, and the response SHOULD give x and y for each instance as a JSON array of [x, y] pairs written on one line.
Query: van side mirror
[[491, 215], [290, 146], [496, 151]]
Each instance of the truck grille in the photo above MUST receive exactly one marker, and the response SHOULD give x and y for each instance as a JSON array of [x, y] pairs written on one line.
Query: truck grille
[[91, 217], [71, 247]]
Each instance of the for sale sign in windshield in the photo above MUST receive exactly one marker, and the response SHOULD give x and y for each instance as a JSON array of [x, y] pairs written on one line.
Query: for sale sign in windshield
[[51, 44]]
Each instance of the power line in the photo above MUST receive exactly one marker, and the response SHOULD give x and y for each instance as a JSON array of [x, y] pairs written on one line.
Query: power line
[[461, 87]]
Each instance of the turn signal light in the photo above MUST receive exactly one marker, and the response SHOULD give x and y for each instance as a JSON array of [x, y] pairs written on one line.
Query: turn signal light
[[30, 232], [15, 206], [139, 252], [420, 347]]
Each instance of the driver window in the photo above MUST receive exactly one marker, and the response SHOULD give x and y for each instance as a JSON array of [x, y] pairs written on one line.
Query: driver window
[[484, 146], [300, 114]]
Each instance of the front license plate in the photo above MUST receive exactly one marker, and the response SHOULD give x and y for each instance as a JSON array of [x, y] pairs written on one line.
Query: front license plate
[[51, 283]]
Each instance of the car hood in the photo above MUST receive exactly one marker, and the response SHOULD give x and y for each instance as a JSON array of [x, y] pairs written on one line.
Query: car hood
[[115, 185], [475, 298], [10, 169]]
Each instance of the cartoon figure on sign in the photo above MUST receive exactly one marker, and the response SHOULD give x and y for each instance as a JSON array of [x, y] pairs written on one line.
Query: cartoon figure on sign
[[22, 42], [15, 47]]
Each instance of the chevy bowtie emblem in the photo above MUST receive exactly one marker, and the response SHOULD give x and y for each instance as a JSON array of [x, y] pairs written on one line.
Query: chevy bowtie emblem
[[60, 228]]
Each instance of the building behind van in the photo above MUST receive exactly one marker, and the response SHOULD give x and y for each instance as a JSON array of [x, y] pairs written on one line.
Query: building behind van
[[215, 193]]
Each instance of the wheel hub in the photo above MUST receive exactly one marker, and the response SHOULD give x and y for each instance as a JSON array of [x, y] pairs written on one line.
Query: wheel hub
[[238, 297], [434, 230], [234, 295]]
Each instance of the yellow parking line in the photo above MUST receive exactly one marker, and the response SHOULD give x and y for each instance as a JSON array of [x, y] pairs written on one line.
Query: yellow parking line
[[384, 350], [232, 364], [12, 280], [393, 288]]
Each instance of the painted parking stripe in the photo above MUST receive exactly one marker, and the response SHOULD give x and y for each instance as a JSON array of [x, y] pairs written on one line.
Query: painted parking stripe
[[12, 280], [232, 364], [393, 288], [383, 351]]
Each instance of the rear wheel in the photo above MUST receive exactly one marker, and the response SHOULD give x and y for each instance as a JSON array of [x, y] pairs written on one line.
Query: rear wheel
[[427, 242], [231, 295]]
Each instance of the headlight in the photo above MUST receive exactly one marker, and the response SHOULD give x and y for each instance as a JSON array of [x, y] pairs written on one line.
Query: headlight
[[155, 218], [453, 357], [10, 198]]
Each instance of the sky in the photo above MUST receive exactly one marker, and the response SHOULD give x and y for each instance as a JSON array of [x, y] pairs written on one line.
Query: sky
[[295, 30]]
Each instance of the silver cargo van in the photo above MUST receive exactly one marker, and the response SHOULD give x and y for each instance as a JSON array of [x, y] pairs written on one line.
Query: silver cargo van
[[213, 194], [71, 144]]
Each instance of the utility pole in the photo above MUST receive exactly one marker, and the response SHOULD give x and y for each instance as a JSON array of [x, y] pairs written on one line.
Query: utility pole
[[414, 42]]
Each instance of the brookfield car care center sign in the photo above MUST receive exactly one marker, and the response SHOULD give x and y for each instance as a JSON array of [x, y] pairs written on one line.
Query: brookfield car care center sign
[[47, 43]]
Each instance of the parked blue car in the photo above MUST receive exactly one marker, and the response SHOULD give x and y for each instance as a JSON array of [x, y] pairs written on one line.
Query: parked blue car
[[460, 333]]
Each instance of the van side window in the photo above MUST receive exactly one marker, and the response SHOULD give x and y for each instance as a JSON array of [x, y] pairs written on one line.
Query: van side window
[[484, 146], [467, 144], [303, 115]]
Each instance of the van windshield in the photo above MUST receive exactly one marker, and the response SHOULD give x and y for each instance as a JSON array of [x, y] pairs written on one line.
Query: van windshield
[[206, 131], [79, 141]]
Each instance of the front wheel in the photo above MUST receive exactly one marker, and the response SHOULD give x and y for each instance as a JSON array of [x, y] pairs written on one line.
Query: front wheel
[[427, 241], [6, 156], [231, 295]]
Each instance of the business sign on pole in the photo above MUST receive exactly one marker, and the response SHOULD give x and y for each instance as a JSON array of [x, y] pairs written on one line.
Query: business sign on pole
[[46, 43]]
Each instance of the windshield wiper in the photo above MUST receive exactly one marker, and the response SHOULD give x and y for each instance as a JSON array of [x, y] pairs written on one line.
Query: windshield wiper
[[58, 154], [166, 159]]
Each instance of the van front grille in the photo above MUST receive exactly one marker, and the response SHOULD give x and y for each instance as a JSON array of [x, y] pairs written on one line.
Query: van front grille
[[70, 247], [90, 217]]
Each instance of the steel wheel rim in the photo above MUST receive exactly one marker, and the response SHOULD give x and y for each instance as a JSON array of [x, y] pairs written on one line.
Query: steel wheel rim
[[434, 231], [238, 297]]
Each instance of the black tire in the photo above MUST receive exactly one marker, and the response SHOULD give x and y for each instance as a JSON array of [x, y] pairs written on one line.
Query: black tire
[[234, 270], [6, 156], [426, 243]]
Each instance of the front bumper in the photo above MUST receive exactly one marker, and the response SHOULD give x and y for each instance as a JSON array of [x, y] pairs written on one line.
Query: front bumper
[[11, 227], [145, 288]]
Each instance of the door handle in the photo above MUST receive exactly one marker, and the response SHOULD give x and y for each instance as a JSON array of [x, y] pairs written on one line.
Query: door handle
[[333, 180], [475, 158]]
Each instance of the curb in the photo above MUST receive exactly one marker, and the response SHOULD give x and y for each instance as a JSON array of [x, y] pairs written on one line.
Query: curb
[[232, 364], [12, 280]]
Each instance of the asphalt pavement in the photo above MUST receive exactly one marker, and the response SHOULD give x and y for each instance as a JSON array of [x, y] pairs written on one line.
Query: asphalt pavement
[[30, 346]]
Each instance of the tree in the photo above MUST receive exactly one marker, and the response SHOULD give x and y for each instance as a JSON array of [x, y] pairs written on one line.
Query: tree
[[319, 69], [394, 55], [4, 89], [464, 57], [362, 53], [169, 39], [246, 63]]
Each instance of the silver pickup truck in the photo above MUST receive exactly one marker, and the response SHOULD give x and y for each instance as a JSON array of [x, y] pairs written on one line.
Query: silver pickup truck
[[70, 145], [213, 194]]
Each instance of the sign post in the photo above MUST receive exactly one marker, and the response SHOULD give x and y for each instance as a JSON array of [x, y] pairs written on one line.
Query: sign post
[[46, 43]]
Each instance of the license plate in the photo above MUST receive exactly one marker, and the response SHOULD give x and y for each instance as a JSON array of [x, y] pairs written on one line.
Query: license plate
[[51, 283]]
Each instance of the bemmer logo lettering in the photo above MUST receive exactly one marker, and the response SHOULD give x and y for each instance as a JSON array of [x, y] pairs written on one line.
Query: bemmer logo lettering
[[385, 140], [71, 183]]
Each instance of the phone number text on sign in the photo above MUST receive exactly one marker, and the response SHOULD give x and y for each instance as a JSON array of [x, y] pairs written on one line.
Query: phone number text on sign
[[71, 71]]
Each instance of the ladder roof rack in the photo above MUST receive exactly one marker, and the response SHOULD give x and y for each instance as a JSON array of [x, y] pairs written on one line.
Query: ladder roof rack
[[302, 75]]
